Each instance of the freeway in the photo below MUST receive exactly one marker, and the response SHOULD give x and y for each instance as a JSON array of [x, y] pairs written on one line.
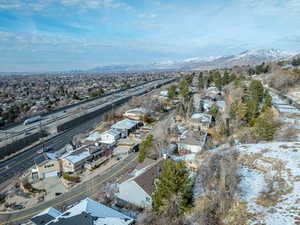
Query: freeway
[[23, 161], [53, 120], [87, 189], [19, 163]]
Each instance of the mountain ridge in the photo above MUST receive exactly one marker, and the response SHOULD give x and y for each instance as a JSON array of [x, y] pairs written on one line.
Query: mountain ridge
[[249, 57]]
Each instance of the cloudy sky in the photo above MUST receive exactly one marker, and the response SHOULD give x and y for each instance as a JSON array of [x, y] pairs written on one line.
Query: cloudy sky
[[52, 35]]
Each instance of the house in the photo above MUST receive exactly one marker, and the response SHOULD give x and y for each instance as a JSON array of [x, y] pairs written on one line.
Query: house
[[75, 160], [46, 165], [90, 212], [201, 121], [110, 136], [92, 138], [191, 142], [138, 189], [136, 113], [164, 94], [45, 216], [125, 146], [125, 126]]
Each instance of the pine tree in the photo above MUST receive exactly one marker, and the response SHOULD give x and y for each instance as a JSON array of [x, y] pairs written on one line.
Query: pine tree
[[172, 91], [201, 82], [184, 90], [233, 110], [214, 110], [265, 126], [256, 90], [174, 180], [226, 78], [144, 148], [267, 100], [217, 80]]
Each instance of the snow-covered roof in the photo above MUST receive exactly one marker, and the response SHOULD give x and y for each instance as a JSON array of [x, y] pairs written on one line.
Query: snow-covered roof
[[93, 137], [103, 215], [112, 132], [76, 156], [45, 216], [50, 211], [202, 116], [125, 124], [139, 111]]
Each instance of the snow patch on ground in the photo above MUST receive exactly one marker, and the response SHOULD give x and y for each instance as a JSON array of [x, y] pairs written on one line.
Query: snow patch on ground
[[277, 165]]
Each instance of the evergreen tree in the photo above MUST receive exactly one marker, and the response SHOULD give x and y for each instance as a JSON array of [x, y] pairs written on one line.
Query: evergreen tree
[[217, 80], [172, 91], [233, 110], [174, 180], [265, 126], [184, 90], [201, 82], [267, 100], [256, 90], [189, 79], [226, 78], [144, 148], [214, 110], [252, 110], [232, 77]]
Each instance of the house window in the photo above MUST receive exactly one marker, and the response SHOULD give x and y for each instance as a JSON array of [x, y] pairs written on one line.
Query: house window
[[147, 199], [49, 165]]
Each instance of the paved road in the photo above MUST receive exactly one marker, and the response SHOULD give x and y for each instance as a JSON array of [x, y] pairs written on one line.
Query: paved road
[[23, 161], [87, 189], [52, 120]]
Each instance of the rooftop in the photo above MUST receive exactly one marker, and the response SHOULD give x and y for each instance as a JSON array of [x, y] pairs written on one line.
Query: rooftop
[[44, 157], [93, 137], [139, 111], [77, 155], [193, 137], [45, 216], [112, 132], [89, 211], [203, 117], [125, 124]]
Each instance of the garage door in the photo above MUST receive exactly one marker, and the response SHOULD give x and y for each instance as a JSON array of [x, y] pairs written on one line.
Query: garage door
[[50, 174]]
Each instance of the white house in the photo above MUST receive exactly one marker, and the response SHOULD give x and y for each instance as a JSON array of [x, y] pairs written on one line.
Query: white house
[[125, 126], [191, 142], [110, 136], [136, 113], [87, 212], [138, 189]]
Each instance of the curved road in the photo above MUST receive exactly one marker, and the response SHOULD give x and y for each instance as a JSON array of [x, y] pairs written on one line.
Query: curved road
[[89, 188]]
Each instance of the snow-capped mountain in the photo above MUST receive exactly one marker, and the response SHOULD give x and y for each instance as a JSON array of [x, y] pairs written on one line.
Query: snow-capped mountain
[[250, 57]]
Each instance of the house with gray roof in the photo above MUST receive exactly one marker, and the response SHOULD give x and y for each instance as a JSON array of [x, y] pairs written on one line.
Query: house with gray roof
[[201, 121], [46, 165], [191, 141], [75, 160], [45, 216], [138, 189], [126, 126], [89, 212]]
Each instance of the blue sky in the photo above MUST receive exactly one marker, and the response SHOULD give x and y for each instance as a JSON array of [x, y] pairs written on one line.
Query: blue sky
[[52, 35]]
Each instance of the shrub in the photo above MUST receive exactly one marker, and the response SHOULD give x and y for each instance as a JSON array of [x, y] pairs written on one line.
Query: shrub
[[74, 179]]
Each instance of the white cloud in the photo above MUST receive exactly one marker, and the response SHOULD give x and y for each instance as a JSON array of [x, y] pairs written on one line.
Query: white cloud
[[39, 5], [93, 4], [272, 7], [147, 16]]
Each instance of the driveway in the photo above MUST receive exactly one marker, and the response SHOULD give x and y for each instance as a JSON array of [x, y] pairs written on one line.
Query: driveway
[[52, 185]]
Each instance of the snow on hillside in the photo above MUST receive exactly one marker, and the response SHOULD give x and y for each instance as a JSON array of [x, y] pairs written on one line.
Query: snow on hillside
[[270, 182]]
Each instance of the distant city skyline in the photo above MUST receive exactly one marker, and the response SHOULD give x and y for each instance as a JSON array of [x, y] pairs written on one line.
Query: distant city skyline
[[56, 35]]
